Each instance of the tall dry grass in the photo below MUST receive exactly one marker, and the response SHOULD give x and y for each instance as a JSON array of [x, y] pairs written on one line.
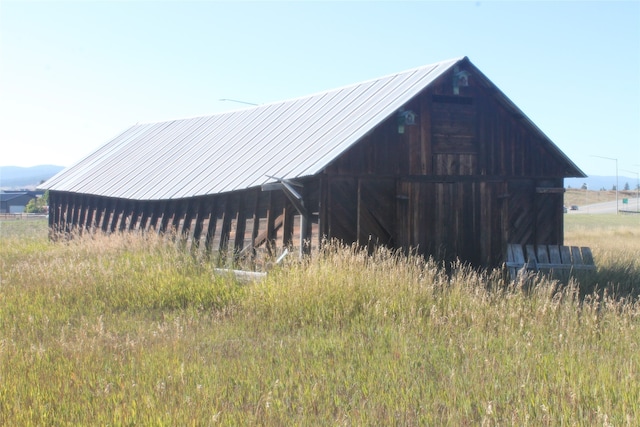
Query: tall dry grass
[[128, 330], [615, 243]]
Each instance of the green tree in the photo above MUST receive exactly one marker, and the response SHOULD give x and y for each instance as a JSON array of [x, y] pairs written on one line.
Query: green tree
[[31, 206], [626, 186], [38, 205]]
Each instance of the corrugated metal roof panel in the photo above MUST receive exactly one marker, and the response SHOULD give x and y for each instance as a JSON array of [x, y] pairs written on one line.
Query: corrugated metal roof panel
[[237, 150]]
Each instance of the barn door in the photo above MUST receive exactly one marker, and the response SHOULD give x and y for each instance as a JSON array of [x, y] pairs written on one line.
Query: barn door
[[445, 220], [534, 213], [362, 210], [342, 209], [447, 226], [549, 199], [376, 212], [521, 218]]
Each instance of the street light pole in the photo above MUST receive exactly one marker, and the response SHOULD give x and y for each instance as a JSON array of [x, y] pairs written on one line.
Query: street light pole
[[615, 160], [586, 193]]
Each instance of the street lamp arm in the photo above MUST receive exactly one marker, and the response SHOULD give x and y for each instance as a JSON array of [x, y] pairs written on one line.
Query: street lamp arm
[[235, 100]]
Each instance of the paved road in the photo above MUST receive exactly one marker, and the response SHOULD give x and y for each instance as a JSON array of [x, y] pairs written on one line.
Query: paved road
[[607, 207]]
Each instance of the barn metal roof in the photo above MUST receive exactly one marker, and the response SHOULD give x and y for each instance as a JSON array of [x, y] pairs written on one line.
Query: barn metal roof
[[7, 197], [240, 149]]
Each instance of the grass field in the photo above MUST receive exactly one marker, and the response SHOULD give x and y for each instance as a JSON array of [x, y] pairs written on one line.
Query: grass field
[[126, 330]]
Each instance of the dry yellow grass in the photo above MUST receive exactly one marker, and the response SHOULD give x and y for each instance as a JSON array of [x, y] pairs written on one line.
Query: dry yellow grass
[[125, 330]]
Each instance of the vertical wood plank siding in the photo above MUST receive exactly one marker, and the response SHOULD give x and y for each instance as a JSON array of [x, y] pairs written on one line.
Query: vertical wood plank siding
[[468, 178], [465, 180]]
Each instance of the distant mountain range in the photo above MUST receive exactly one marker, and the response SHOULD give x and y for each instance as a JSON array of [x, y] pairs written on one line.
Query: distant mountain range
[[599, 182], [15, 177]]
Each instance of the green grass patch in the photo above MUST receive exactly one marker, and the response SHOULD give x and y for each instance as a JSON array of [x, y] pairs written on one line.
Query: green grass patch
[[575, 224], [23, 228]]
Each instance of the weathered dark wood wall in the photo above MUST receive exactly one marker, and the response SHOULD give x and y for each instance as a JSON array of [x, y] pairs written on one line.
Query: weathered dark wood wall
[[469, 177]]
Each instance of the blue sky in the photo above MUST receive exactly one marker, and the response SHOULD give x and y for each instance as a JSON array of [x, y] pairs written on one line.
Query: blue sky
[[75, 74]]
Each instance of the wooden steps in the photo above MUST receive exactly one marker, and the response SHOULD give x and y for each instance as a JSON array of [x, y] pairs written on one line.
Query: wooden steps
[[559, 261]]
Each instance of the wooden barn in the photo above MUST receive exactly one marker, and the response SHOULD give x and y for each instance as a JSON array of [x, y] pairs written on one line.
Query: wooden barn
[[435, 158]]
